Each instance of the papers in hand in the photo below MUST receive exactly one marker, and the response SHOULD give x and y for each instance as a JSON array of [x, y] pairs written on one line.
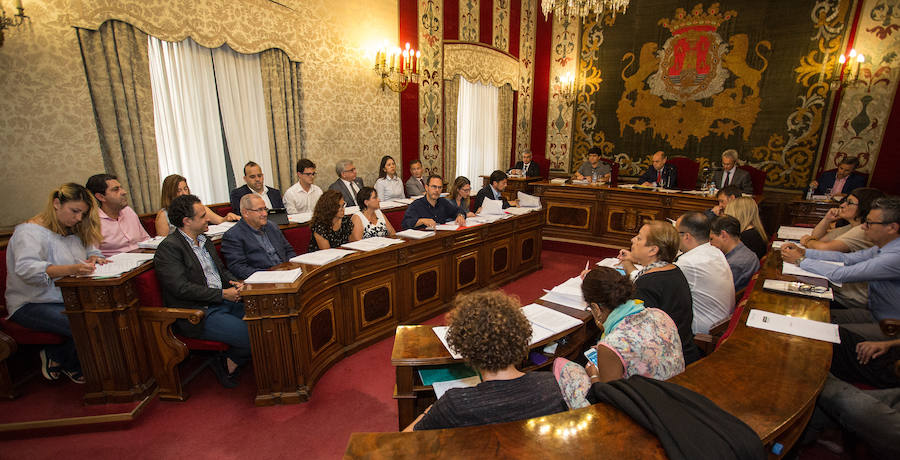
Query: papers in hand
[[795, 326], [788, 268], [414, 234], [219, 229], [491, 207], [778, 244], [119, 264], [567, 294], [321, 257], [546, 322], [441, 332], [300, 218], [371, 244], [793, 233], [793, 287], [274, 276], [152, 243]]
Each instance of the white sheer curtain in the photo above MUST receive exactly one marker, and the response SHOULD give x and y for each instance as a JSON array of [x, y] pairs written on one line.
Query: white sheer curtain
[[186, 117], [477, 130], [239, 80]]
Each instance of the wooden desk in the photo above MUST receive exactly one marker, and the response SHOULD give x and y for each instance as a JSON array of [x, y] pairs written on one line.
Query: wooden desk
[[418, 346], [513, 185], [767, 379], [609, 215], [299, 330], [809, 212]]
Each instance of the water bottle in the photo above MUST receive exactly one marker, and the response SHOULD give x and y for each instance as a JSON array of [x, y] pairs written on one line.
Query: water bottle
[[809, 193], [594, 178]]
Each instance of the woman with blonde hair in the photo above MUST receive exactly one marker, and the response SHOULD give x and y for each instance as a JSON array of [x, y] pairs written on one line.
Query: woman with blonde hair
[[460, 194], [175, 185], [753, 235], [60, 241]]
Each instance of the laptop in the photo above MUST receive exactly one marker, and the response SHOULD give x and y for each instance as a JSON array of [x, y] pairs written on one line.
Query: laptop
[[278, 216]]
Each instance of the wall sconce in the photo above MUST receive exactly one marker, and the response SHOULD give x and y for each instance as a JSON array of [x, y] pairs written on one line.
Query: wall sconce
[[15, 21], [566, 87], [398, 70], [844, 70]]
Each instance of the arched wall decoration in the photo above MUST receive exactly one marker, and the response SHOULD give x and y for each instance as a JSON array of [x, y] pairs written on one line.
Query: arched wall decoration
[[480, 64]]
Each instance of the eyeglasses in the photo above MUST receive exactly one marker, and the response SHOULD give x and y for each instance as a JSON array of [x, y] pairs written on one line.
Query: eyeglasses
[[350, 170], [869, 222], [802, 287], [850, 203], [260, 210]]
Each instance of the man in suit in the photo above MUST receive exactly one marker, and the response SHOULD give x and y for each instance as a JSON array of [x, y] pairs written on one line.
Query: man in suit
[[191, 275], [662, 174], [494, 191], [731, 174], [347, 183], [526, 167], [253, 176], [841, 181], [415, 185], [254, 243]]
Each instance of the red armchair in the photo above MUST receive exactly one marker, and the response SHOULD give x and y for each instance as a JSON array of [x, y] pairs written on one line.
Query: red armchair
[[758, 176], [688, 170], [614, 172]]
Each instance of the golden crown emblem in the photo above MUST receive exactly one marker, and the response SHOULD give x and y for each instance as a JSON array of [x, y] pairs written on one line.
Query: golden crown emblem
[[712, 17]]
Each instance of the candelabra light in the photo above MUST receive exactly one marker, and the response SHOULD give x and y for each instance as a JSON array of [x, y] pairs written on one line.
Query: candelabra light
[[582, 8], [15, 21], [844, 74], [566, 87], [396, 67]]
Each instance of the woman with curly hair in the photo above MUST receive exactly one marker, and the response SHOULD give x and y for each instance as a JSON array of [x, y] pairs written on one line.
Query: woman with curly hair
[[636, 340], [330, 227], [492, 334]]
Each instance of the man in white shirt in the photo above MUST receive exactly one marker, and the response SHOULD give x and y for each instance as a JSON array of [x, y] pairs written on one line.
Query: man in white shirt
[[707, 273], [347, 183], [302, 196]]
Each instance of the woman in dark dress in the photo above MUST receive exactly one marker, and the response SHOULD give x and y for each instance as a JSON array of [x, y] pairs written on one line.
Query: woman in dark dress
[[753, 235], [661, 284], [330, 227]]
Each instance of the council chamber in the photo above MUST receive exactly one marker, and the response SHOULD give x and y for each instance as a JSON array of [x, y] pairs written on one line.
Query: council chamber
[[450, 229]]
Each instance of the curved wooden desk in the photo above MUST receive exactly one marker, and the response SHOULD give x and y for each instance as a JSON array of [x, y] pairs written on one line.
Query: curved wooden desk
[[767, 379]]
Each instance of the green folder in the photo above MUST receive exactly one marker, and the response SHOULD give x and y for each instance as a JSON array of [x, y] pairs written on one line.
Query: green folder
[[457, 371]]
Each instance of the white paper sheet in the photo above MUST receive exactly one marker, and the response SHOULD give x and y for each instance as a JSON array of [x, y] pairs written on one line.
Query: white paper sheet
[[441, 332], [778, 244], [321, 257], [528, 201], [414, 234], [788, 268], [390, 204], [447, 227], [795, 326], [219, 229], [793, 233], [491, 207], [371, 244], [519, 211], [549, 318], [441, 387], [274, 276], [300, 218], [152, 243], [794, 287], [565, 300], [119, 264]]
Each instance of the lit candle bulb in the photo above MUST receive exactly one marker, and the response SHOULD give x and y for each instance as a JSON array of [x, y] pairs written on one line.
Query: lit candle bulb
[[19, 5], [841, 61], [859, 62], [852, 53], [416, 67]]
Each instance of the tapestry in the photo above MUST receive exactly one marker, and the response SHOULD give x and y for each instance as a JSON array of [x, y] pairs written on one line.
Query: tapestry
[[430, 13], [694, 80], [563, 60], [501, 25], [469, 12], [525, 101]]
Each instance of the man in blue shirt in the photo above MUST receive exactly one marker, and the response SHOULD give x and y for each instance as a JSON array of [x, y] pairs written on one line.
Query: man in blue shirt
[[879, 265], [725, 234], [254, 243], [431, 209], [494, 191]]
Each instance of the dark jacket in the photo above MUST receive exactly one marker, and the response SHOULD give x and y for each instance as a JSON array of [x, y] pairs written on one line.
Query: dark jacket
[[740, 179], [534, 169], [669, 176], [826, 181], [486, 192], [349, 197], [244, 253], [442, 212], [238, 193], [181, 277]]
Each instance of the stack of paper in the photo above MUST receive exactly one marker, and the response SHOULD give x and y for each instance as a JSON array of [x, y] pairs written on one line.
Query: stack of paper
[[274, 276], [321, 257], [668, 190], [546, 322], [558, 181], [567, 294], [219, 229], [519, 211], [491, 207], [371, 244], [414, 234], [528, 201], [119, 264], [391, 204], [580, 181], [152, 243], [793, 287], [300, 218], [695, 192], [793, 233], [795, 326], [441, 332], [788, 268], [449, 227]]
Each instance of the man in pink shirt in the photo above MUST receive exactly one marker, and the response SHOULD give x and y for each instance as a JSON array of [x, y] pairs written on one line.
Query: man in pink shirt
[[120, 225]]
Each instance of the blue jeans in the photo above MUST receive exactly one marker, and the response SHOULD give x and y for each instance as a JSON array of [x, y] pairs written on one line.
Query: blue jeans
[[224, 323], [49, 317]]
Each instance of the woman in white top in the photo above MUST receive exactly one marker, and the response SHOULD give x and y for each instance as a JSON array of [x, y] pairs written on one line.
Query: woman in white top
[[369, 221], [175, 185], [60, 241], [388, 185]]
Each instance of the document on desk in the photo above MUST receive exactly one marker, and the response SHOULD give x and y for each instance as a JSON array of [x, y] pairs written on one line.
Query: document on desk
[[528, 201], [788, 268], [793, 233], [441, 387], [390, 204], [300, 218], [274, 276], [322, 256], [546, 322], [797, 288], [448, 227], [371, 244], [441, 332], [801, 327], [219, 229], [152, 243], [519, 211], [120, 264], [778, 244], [491, 207], [414, 234], [567, 294]]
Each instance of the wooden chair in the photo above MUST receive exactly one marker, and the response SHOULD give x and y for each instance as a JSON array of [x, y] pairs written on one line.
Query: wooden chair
[[757, 176], [708, 343], [613, 171], [688, 170]]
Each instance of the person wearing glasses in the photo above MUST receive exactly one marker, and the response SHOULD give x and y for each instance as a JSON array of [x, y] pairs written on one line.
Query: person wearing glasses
[[431, 209], [461, 195], [879, 265], [302, 196], [725, 234], [254, 243], [830, 236], [347, 183]]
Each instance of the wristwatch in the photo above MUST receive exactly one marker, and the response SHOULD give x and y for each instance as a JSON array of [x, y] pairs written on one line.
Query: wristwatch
[[799, 260]]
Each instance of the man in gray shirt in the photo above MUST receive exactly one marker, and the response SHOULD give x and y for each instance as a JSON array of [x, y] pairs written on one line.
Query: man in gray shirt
[[725, 234], [593, 167]]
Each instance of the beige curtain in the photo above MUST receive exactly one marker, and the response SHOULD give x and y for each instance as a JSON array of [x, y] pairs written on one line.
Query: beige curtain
[[281, 87], [117, 67], [505, 118], [451, 104]]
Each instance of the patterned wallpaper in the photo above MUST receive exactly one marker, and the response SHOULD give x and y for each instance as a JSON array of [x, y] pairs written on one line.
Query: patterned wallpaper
[[563, 60], [345, 114], [527, 32]]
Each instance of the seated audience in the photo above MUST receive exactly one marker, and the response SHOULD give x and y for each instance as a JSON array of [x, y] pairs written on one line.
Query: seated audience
[[637, 340], [60, 241], [526, 167], [174, 186], [732, 175], [415, 185], [660, 283], [432, 209], [725, 234], [841, 181], [753, 235], [494, 191], [593, 167], [329, 226], [191, 275], [302, 196], [347, 183], [254, 243], [707, 273], [369, 221], [723, 196], [660, 174], [879, 265], [388, 185], [491, 333], [254, 183], [853, 209], [120, 225], [460, 195]]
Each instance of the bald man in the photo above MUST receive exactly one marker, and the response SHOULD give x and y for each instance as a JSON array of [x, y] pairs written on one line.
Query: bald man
[[660, 174]]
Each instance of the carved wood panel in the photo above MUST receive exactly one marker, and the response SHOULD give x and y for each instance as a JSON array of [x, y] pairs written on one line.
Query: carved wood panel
[[465, 269], [373, 305], [569, 215]]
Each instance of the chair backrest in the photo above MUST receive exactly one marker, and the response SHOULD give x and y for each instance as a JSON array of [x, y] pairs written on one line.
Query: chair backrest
[[757, 176], [221, 209], [298, 237], [149, 223], [146, 287], [688, 170], [3, 283], [396, 217], [614, 171]]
